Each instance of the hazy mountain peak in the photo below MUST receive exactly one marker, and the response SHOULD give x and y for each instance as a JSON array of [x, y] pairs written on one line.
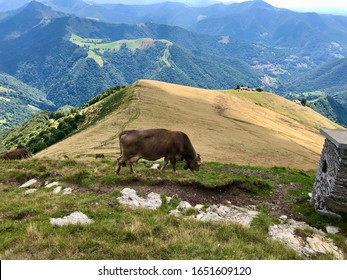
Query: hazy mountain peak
[[37, 9]]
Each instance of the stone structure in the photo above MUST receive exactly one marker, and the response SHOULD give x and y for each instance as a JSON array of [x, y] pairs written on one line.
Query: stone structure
[[329, 194]]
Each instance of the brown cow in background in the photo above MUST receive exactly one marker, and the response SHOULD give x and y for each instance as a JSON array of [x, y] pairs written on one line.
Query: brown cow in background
[[153, 144], [16, 154]]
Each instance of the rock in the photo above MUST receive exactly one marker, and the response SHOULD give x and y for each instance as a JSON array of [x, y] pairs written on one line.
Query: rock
[[199, 207], [67, 191], [28, 183], [332, 229], [283, 218], [52, 184], [73, 219], [224, 213], [57, 190], [175, 212], [155, 166], [31, 191], [130, 198], [311, 241], [184, 205], [153, 201], [209, 217]]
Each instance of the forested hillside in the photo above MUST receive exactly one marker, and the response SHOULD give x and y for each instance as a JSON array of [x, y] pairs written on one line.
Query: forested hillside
[[19, 101]]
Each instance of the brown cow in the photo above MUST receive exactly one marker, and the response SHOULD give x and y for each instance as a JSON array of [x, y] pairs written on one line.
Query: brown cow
[[16, 154], [152, 144]]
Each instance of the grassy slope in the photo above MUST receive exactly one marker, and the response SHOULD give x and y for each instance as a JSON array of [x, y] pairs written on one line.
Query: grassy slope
[[247, 128]]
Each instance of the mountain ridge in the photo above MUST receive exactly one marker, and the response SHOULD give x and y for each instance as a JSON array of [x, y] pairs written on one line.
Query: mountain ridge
[[225, 126]]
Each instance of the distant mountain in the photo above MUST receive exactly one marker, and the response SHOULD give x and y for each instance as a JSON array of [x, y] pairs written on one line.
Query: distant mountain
[[329, 78], [330, 108], [72, 59], [299, 41], [314, 36], [19, 101]]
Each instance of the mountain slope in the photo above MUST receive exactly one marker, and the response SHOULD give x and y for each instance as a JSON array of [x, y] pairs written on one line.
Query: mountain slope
[[19, 101], [329, 78], [46, 54], [248, 128], [320, 37]]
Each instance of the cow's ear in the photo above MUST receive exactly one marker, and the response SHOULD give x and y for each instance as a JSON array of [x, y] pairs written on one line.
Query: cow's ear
[[198, 157]]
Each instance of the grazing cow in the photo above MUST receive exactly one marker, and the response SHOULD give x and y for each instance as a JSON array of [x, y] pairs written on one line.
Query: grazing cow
[[16, 154], [152, 144]]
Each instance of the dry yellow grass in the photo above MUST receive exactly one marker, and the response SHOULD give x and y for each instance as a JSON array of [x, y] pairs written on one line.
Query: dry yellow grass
[[247, 128]]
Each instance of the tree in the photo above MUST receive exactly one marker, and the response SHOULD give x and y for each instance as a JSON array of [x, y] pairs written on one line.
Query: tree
[[303, 101]]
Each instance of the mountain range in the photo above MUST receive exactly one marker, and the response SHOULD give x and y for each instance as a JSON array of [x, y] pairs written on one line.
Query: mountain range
[[72, 58]]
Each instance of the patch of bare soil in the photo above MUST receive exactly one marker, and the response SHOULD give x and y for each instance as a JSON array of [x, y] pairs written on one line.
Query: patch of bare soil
[[232, 194]]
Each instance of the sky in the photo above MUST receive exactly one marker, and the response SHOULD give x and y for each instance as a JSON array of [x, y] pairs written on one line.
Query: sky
[[334, 6]]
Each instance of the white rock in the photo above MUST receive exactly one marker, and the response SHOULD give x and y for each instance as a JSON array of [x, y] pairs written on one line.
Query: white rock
[[52, 184], [233, 214], [184, 205], [153, 201], [175, 212], [155, 166], [28, 183], [73, 219], [332, 229], [283, 218], [209, 217], [127, 191], [31, 191], [67, 191], [57, 190], [199, 207], [315, 241], [130, 198]]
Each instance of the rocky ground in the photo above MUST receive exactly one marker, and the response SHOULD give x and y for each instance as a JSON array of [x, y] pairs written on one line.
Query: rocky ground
[[227, 204]]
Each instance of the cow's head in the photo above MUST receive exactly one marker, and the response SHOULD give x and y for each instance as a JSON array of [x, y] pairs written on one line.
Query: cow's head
[[194, 164]]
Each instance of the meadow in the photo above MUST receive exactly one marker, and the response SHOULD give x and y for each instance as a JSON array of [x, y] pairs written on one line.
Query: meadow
[[122, 233]]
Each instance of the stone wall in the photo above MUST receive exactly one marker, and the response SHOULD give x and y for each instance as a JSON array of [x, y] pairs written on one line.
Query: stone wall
[[329, 194]]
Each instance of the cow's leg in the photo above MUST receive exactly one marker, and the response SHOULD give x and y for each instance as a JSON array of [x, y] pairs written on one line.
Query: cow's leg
[[120, 162], [166, 161], [131, 167], [173, 163]]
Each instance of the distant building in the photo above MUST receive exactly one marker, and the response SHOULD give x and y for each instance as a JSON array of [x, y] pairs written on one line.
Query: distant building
[[329, 194], [247, 88]]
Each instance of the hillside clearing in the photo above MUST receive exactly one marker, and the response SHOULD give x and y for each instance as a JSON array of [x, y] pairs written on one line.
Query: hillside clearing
[[247, 128]]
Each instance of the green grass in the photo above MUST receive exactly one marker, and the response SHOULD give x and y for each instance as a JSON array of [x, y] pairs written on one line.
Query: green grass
[[121, 233], [117, 232]]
